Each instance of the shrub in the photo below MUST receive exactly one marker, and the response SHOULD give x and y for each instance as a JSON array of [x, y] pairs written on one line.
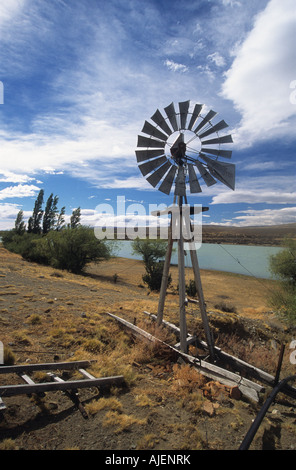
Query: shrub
[[283, 265], [152, 252], [70, 249], [191, 288]]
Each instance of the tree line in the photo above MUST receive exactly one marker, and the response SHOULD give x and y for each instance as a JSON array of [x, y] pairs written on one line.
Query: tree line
[[48, 239], [43, 221]]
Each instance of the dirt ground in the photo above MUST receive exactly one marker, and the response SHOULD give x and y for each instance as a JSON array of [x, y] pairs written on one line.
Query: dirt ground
[[48, 315]]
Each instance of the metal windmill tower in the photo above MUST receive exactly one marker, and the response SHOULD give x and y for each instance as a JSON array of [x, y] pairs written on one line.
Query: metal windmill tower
[[178, 149]]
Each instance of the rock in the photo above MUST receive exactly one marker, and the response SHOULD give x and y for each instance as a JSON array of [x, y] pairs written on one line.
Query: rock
[[235, 393], [209, 408]]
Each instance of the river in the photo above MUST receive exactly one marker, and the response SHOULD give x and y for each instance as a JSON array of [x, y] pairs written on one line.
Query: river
[[239, 259]]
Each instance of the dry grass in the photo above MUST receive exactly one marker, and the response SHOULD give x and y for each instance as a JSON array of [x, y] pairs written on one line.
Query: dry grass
[[103, 403], [121, 422]]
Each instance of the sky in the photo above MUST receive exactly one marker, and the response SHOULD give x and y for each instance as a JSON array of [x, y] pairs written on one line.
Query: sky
[[80, 77]]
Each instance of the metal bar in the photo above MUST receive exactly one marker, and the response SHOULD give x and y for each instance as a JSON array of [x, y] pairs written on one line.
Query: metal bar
[[254, 427], [279, 366]]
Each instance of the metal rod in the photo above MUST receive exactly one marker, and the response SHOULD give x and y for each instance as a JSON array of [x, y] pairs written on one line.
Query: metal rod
[[254, 427], [279, 366]]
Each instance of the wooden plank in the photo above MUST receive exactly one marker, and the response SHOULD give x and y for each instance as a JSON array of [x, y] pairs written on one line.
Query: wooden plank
[[72, 394], [247, 388], [29, 381], [86, 374], [11, 390], [44, 366], [236, 363], [2, 405]]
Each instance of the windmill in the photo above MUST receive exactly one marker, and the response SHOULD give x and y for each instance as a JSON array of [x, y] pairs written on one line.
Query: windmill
[[180, 148]]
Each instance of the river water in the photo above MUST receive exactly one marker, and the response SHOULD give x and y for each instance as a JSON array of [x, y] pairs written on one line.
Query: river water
[[239, 259]]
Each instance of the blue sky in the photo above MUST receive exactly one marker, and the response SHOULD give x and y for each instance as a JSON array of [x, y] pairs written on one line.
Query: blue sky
[[79, 78]]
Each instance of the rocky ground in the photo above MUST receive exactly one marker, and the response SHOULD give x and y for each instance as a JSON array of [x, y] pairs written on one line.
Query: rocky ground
[[48, 315]]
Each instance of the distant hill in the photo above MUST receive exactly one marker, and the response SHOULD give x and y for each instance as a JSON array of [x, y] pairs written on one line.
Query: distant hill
[[259, 235], [268, 235]]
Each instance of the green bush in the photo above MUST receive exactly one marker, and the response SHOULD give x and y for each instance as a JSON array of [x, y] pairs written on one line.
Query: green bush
[[152, 251], [283, 265], [191, 288], [73, 248], [70, 249]]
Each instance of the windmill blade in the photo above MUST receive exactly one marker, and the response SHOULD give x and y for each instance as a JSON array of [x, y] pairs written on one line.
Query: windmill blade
[[208, 117], [147, 167], [224, 172], [171, 114], [143, 155], [167, 183], [226, 139], [161, 122], [155, 177], [206, 176], [148, 142], [219, 153], [193, 181], [218, 127], [183, 107], [195, 114], [153, 131]]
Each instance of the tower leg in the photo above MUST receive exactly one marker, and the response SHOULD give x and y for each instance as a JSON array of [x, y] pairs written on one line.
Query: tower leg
[[182, 296], [165, 276], [203, 311]]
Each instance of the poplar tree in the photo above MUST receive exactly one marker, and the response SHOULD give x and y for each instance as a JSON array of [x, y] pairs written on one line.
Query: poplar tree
[[35, 223], [19, 225], [50, 213]]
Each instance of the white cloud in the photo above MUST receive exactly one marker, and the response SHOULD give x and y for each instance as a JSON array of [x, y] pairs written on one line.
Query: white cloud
[[9, 9], [8, 213], [217, 59], [9, 177], [175, 67], [252, 217], [18, 191], [258, 81], [255, 196]]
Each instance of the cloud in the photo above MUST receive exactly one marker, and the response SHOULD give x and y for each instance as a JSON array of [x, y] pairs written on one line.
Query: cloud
[[255, 196], [217, 59], [18, 191], [259, 79], [171, 65], [8, 213], [9, 177], [10, 9], [252, 217]]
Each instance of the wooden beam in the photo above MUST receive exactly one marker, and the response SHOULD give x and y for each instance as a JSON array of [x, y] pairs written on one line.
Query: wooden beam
[[234, 362], [11, 390], [44, 366], [212, 371]]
